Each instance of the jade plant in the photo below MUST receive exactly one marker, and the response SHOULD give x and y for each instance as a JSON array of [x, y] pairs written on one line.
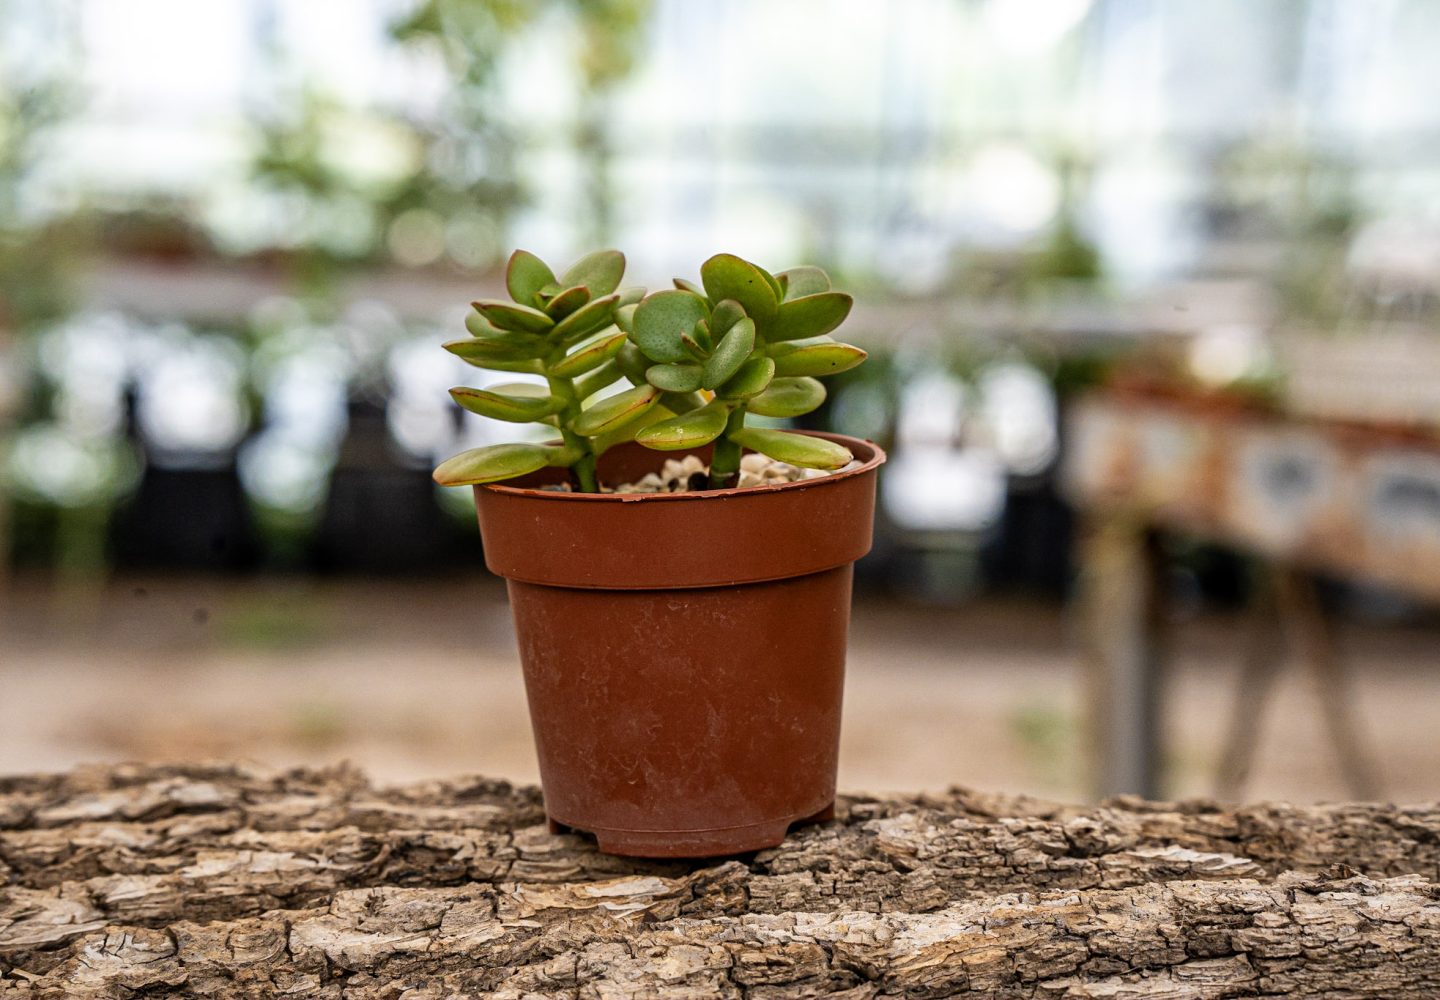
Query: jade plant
[[699, 359]]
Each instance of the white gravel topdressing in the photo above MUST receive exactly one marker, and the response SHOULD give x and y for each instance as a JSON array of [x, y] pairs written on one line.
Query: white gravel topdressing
[[689, 474]]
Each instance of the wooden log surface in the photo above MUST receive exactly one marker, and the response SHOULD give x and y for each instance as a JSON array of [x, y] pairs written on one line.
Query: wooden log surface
[[236, 881]]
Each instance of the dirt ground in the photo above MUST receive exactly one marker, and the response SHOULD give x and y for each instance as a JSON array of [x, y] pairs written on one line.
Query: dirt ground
[[412, 679]]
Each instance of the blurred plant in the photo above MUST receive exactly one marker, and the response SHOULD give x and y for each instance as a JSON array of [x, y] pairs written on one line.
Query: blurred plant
[[756, 341], [35, 96], [477, 149]]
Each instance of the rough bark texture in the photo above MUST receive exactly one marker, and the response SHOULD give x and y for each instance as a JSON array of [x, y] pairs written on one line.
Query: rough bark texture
[[235, 881]]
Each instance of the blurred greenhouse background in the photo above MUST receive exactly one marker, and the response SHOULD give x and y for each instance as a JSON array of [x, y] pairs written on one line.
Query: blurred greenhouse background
[[234, 233]]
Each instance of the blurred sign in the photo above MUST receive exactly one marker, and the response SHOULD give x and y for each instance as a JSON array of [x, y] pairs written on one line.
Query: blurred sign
[[1353, 500]]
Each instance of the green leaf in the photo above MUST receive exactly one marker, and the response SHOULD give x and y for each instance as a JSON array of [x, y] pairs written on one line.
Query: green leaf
[[725, 315], [633, 363], [488, 352], [612, 411], [788, 397], [692, 347], [517, 402], [662, 318], [802, 281], [702, 337], [625, 317], [478, 326], [626, 431], [820, 356], [729, 354], [811, 316], [606, 375], [630, 296], [689, 286], [493, 463], [567, 302], [751, 380], [689, 430], [600, 272], [591, 356], [775, 285], [682, 402], [510, 316], [586, 320], [674, 378], [525, 276], [797, 449], [726, 276]]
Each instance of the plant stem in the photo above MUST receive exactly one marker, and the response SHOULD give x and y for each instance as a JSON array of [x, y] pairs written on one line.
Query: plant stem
[[584, 468], [725, 461]]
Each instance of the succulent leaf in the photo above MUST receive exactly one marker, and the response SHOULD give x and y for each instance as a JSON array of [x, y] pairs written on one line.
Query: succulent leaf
[[525, 276], [512, 316], [518, 403], [633, 363], [682, 402], [600, 272], [493, 463], [567, 302], [816, 356], [590, 356], [788, 397], [612, 411], [662, 318], [726, 276], [809, 316], [702, 336], [625, 317], [674, 378], [686, 285], [689, 430], [797, 449], [586, 320], [729, 354], [481, 351], [725, 315], [630, 296], [775, 285], [606, 375], [478, 326], [752, 378], [693, 348], [802, 281]]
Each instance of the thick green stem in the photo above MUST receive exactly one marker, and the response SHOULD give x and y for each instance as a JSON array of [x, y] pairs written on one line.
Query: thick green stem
[[725, 462], [584, 468]]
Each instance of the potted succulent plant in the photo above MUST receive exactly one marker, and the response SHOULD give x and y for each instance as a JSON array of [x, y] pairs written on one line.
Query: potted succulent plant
[[680, 581]]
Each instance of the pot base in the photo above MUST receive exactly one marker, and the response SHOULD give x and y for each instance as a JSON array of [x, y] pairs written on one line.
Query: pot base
[[694, 843]]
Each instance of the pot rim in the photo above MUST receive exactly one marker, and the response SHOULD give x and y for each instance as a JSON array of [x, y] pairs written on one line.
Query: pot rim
[[873, 462]]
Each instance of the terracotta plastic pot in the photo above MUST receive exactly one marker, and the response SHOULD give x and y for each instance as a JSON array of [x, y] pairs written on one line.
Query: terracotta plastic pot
[[684, 653]]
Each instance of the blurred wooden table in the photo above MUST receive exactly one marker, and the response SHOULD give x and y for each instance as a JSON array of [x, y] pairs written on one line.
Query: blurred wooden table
[[232, 881], [1306, 496]]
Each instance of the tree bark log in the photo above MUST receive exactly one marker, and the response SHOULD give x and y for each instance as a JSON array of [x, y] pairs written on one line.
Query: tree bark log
[[232, 881]]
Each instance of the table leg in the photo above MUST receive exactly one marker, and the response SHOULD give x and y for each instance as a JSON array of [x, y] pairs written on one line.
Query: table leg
[[1121, 601]]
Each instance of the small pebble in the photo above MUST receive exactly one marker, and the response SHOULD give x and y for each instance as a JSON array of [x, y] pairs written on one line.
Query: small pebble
[[691, 475]]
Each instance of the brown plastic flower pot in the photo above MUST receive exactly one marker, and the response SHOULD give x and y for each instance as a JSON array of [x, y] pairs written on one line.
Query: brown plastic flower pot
[[684, 653]]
